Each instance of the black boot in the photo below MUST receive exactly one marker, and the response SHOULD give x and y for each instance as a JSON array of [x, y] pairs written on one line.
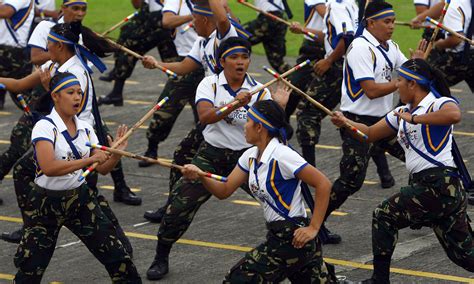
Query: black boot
[[122, 193], [151, 152], [13, 237], [109, 77], [155, 216], [115, 97], [328, 238], [3, 92], [160, 266], [386, 178], [382, 269]]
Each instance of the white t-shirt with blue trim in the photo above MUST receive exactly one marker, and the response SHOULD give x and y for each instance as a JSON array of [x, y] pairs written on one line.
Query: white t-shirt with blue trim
[[337, 13], [458, 17], [15, 30], [312, 19], [432, 140], [183, 41], [270, 5], [367, 59], [44, 130], [275, 180], [155, 5], [228, 133]]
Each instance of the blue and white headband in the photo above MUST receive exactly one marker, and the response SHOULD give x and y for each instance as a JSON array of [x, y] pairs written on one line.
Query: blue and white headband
[[258, 117], [65, 83]]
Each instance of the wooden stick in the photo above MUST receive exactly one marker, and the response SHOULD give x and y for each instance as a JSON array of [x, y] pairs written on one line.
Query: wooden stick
[[138, 56], [154, 161], [275, 18], [449, 30], [128, 134], [114, 27], [314, 102], [436, 30], [236, 102], [400, 23], [23, 104]]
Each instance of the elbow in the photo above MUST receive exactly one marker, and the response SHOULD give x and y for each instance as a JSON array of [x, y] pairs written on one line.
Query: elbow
[[456, 117], [370, 94], [36, 60], [166, 22]]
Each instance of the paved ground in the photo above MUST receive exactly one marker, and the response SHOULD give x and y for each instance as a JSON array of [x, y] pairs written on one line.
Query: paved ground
[[223, 230]]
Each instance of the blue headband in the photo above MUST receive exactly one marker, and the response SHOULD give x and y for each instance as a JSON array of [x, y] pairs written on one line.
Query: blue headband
[[202, 11], [74, 2], [389, 12], [235, 49], [80, 52], [258, 117], [65, 83]]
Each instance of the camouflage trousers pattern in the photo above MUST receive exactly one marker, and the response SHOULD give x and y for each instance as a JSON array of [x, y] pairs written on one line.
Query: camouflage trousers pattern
[[326, 90], [187, 196], [456, 68], [80, 213], [272, 35], [180, 91], [277, 259], [355, 159], [309, 50], [143, 33], [435, 199]]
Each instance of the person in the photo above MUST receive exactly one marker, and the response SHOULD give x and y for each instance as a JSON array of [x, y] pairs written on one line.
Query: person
[[45, 10], [144, 32], [223, 143], [16, 18], [270, 33], [58, 199], [274, 173], [213, 26], [367, 95], [457, 56], [434, 196], [66, 56]]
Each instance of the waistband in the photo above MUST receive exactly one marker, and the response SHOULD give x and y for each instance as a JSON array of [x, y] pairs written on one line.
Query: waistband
[[441, 171], [362, 118], [275, 226], [59, 193]]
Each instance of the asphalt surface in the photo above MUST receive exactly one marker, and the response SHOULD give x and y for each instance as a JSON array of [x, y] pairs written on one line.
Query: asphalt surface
[[223, 230]]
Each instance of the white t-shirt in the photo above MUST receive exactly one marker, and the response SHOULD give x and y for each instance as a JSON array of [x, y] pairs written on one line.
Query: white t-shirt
[[427, 3], [227, 133], [312, 20], [270, 5], [432, 140], [458, 17], [75, 67], [44, 130], [183, 41], [49, 5], [367, 59], [204, 51], [156, 5], [14, 31], [337, 13], [277, 182]]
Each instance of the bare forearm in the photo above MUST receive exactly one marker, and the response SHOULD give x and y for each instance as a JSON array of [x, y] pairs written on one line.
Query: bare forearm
[[321, 201], [108, 165], [218, 189], [39, 56], [378, 90], [445, 117], [449, 42], [61, 167], [171, 21]]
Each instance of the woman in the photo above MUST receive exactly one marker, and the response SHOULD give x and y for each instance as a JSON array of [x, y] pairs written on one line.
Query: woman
[[274, 173], [434, 196], [60, 199]]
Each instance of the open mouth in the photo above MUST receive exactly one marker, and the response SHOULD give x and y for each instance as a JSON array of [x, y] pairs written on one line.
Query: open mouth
[[240, 70], [76, 105]]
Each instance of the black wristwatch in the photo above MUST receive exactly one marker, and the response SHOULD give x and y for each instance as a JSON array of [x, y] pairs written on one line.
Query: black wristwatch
[[412, 120]]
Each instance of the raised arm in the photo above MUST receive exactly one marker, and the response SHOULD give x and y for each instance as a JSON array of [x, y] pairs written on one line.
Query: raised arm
[[171, 20], [220, 16], [20, 85]]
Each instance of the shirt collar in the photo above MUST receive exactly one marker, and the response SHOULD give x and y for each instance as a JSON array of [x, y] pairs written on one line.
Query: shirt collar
[[54, 115], [248, 84], [426, 101], [370, 38], [267, 153], [69, 63]]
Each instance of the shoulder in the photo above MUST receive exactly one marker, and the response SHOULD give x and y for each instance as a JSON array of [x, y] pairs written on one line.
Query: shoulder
[[283, 153], [209, 80]]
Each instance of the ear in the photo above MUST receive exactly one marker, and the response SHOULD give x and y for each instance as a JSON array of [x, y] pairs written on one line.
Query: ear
[[55, 97], [222, 61], [412, 84]]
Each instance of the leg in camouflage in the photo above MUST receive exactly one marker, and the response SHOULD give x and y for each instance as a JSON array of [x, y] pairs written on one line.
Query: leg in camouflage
[[326, 90], [82, 215], [272, 35], [456, 68], [435, 199], [277, 259]]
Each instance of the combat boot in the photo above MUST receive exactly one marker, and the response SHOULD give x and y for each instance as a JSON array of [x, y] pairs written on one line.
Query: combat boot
[[13, 237], [160, 266], [151, 152], [115, 97], [155, 216], [122, 193]]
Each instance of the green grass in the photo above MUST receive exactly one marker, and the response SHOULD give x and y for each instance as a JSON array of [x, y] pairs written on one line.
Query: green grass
[[103, 14]]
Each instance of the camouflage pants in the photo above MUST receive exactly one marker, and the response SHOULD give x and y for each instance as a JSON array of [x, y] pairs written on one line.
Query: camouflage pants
[[277, 259], [15, 63], [435, 198], [326, 90], [80, 213], [354, 161], [309, 50], [187, 196], [180, 91], [456, 68], [272, 35], [143, 33]]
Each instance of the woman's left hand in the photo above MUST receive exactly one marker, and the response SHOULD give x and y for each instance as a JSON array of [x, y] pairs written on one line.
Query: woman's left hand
[[403, 115], [303, 235], [190, 172], [281, 94], [45, 78]]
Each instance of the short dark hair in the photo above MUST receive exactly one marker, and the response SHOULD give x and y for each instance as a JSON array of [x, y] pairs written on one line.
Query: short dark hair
[[376, 6], [276, 115], [423, 68], [231, 42]]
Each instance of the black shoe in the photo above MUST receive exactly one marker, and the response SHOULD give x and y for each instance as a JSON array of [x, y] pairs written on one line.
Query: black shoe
[[387, 181], [13, 237], [109, 77], [332, 238], [155, 216], [150, 154], [125, 195], [111, 99], [158, 269]]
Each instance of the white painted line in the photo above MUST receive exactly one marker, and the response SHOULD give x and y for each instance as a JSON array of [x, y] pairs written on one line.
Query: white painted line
[[141, 224]]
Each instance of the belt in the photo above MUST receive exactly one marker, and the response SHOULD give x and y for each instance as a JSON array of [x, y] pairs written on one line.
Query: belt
[[442, 171], [58, 193], [281, 224]]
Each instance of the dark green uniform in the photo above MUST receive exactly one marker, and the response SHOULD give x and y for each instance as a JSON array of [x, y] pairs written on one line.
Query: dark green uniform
[[456, 67]]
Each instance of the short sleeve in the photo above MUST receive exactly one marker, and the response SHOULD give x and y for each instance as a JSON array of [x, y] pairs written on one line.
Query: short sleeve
[[196, 52], [205, 91], [17, 4], [454, 19], [92, 136], [39, 37], [264, 94], [421, 3], [401, 58], [243, 162], [439, 102], [290, 162], [338, 16], [392, 120], [43, 131], [312, 3], [232, 32], [171, 6], [361, 61]]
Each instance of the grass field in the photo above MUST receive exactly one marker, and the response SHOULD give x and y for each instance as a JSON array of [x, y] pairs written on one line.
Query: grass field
[[105, 13]]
